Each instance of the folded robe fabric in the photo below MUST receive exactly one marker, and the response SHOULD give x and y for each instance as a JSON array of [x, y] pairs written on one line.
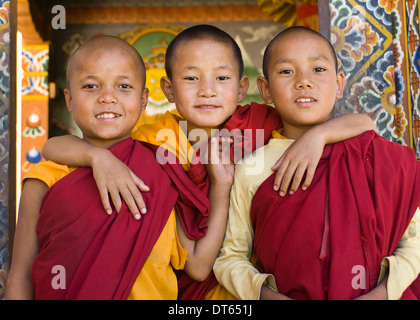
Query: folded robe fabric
[[250, 127], [328, 242], [102, 255]]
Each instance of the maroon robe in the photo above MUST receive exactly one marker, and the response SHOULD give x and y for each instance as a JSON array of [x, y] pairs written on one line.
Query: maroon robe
[[255, 118], [320, 243], [103, 255]]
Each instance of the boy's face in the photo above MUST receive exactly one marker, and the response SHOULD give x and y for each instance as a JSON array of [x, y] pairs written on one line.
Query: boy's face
[[106, 95], [205, 84], [302, 80]]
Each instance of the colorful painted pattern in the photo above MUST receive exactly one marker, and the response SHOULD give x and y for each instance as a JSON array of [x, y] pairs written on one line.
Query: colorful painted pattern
[[4, 144], [35, 66], [413, 52], [367, 37], [35, 93]]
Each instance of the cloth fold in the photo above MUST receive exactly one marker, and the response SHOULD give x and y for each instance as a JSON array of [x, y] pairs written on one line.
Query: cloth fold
[[102, 255], [328, 242], [250, 127]]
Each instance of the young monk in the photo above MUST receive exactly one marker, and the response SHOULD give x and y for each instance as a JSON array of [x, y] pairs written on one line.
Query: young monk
[[205, 80], [355, 232], [96, 256]]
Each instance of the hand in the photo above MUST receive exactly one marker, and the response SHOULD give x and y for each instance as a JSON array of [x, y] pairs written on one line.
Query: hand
[[219, 166], [115, 179], [300, 158]]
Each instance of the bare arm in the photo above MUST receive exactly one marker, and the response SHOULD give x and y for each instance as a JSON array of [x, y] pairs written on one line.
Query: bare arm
[[112, 177], [378, 293], [268, 294], [203, 252], [69, 150], [25, 247], [304, 154]]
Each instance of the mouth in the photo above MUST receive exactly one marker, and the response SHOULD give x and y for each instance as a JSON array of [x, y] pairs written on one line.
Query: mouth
[[207, 107], [305, 101], [107, 115]]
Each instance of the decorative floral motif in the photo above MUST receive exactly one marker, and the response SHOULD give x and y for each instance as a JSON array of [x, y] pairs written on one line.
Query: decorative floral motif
[[365, 34], [413, 55], [36, 62], [359, 41], [4, 12], [381, 10], [34, 128]]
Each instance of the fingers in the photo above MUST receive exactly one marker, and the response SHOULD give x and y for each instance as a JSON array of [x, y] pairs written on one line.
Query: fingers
[[127, 192], [117, 183], [281, 169], [284, 177], [134, 201], [139, 183], [105, 200], [277, 165], [135, 192], [219, 166], [297, 178], [132, 198], [224, 144], [309, 176], [302, 157], [115, 198], [219, 149], [290, 176]]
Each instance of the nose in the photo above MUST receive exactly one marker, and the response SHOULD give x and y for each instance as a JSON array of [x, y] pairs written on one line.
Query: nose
[[303, 81], [108, 96], [207, 88]]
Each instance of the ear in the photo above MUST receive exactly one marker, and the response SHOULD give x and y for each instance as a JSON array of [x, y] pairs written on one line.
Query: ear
[[243, 88], [144, 99], [264, 89], [341, 78], [166, 86], [67, 96]]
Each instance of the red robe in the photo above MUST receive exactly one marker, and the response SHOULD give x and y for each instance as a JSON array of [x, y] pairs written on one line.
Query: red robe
[[103, 255], [319, 243], [255, 119]]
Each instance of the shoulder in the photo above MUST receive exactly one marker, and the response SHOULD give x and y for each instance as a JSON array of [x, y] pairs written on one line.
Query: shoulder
[[167, 120], [383, 145], [48, 172]]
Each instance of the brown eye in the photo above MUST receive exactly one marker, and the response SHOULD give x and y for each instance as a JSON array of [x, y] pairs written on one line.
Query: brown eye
[[89, 86], [286, 71]]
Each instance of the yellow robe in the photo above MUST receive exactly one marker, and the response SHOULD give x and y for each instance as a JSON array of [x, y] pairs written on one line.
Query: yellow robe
[[169, 132], [157, 279]]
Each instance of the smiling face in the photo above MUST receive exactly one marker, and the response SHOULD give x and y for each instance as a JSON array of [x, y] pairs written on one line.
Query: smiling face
[[303, 83], [106, 92], [205, 84]]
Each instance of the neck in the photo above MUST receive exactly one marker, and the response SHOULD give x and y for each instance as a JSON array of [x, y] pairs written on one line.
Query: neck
[[103, 143], [294, 132], [196, 134]]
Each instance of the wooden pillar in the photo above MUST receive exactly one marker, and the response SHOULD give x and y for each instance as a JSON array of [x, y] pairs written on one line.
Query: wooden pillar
[[324, 18]]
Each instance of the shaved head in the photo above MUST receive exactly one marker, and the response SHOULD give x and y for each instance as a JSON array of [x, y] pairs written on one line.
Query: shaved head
[[108, 44], [294, 31], [202, 32]]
